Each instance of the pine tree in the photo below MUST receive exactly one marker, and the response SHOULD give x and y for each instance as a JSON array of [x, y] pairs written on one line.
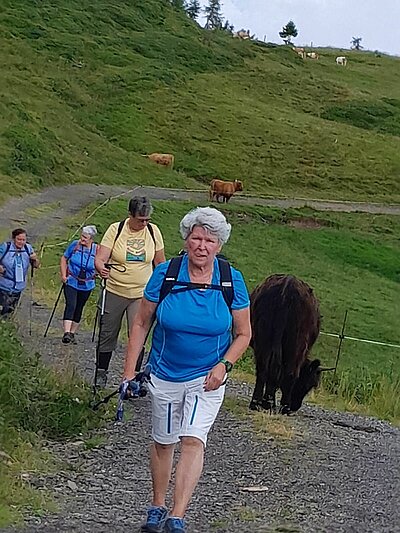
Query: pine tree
[[288, 32], [214, 16], [179, 4], [356, 43], [193, 9]]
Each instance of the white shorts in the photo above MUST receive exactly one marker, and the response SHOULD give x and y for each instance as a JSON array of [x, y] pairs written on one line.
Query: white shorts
[[183, 409]]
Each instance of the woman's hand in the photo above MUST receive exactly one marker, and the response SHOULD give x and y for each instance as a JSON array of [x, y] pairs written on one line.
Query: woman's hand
[[215, 377], [129, 377], [2, 270], [104, 272], [64, 278]]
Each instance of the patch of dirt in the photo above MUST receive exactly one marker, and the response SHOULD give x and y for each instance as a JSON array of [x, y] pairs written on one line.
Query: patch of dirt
[[338, 473], [307, 223]]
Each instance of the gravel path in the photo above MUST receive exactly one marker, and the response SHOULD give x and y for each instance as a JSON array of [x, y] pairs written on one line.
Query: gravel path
[[337, 473]]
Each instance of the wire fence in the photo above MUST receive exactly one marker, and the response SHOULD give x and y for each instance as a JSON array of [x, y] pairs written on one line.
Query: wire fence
[[341, 336]]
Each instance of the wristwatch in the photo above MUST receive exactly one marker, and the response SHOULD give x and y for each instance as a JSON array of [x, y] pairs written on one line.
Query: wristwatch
[[228, 365]]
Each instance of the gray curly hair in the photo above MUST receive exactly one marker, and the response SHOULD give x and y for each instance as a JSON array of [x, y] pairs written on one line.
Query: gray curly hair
[[208, 218]]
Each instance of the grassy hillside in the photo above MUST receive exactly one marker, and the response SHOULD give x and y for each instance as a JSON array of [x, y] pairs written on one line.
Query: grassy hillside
[[87, 87]]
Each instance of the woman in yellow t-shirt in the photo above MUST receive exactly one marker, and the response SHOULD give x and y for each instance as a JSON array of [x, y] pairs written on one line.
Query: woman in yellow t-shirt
[[137, 247]]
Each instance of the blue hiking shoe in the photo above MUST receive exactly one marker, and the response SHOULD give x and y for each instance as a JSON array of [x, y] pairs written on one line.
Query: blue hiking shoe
[[174, 525], [156, 517]]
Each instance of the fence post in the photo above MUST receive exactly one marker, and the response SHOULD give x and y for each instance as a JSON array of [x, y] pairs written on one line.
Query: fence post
[[341, 337]]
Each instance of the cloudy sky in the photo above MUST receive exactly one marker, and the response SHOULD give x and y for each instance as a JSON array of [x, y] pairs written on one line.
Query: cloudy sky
[[321, 22]]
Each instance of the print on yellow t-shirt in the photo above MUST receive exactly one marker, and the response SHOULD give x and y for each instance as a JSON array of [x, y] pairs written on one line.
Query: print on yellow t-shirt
[[135, 250]]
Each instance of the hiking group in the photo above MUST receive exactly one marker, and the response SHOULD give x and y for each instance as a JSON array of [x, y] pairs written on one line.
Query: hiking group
[[199, 306]]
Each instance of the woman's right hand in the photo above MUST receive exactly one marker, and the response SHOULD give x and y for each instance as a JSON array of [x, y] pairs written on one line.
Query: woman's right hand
[[64, 278], [2, 270], [104, 272]]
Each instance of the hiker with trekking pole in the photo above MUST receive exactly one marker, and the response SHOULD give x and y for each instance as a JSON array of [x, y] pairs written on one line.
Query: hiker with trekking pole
[[16, 256], [201, 307], [78, 274], [128, 252]]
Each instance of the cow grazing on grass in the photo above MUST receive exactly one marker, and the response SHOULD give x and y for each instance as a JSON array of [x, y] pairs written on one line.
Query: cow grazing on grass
[[224, 189], [299, 51], [341, 60], [312, 55], [285, 321], [242, 34], [162, 159]]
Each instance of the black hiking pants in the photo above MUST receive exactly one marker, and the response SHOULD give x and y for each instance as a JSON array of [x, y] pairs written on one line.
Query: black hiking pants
[[75, 301]]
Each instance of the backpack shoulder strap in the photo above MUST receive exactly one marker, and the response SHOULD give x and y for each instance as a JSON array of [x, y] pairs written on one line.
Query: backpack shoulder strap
[[119, 231], [151, 231], [73, 251], [170, 277], [226, 281], [8, 246]]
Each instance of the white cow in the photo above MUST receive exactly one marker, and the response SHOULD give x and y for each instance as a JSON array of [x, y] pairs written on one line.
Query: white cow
[[242, 34], [341, 60], [300, 51], [312, 55]]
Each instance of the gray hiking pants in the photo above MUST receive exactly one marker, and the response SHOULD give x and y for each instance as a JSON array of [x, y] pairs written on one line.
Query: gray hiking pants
[[115, 309]]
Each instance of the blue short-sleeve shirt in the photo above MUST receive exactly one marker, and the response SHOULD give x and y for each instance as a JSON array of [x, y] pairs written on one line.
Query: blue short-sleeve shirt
[[193, 329]]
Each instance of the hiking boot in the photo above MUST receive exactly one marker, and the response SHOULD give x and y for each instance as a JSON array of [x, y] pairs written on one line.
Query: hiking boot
[[73, 340], [101, 378], [67, 337], [156, 517], [174, 525]]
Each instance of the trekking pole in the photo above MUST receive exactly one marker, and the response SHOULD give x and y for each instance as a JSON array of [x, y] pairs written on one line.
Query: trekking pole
[[127, 390], [54, 310], [31, 302], [95, 324], [100, 314]]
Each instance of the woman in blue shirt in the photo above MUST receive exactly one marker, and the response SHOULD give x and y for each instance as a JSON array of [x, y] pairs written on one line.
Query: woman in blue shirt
[[196, 341], [15, 258], [78, 275]]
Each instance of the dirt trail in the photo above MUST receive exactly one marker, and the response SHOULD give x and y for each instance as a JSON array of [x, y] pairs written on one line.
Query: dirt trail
[[337, 473]]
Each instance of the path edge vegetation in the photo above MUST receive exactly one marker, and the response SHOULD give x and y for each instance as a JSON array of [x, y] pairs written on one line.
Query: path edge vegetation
[[37, 403]]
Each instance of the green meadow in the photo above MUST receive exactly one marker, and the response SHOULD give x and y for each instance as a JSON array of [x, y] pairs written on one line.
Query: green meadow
[[351, 260], [88, 87]]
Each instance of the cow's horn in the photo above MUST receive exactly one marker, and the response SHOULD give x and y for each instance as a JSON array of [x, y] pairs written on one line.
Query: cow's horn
[[326, 369]]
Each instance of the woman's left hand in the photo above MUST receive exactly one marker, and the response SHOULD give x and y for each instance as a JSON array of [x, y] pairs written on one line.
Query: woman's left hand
[[215, 377]]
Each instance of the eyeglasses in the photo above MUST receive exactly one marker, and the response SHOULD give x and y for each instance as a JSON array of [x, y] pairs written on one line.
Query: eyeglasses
[[143, 220]]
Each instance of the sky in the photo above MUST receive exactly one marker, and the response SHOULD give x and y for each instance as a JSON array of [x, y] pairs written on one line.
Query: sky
[[321, 22]]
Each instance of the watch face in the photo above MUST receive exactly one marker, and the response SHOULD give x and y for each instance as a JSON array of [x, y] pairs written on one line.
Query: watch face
[[228, 366]]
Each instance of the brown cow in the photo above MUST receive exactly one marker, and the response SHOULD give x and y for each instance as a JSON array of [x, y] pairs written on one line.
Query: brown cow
[[224, 189], [285, 321], [162, 159]]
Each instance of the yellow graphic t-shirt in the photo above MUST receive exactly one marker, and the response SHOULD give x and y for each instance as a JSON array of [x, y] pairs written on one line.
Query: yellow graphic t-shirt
[[135, 250]]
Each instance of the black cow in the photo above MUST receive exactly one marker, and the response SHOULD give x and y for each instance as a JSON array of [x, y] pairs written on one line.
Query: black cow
[[285, 321]]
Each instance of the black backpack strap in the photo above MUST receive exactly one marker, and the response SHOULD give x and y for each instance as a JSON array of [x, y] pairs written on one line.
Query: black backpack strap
[[119, 230], [170, 277], [226, 281], [151, 231], [8, 245]]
